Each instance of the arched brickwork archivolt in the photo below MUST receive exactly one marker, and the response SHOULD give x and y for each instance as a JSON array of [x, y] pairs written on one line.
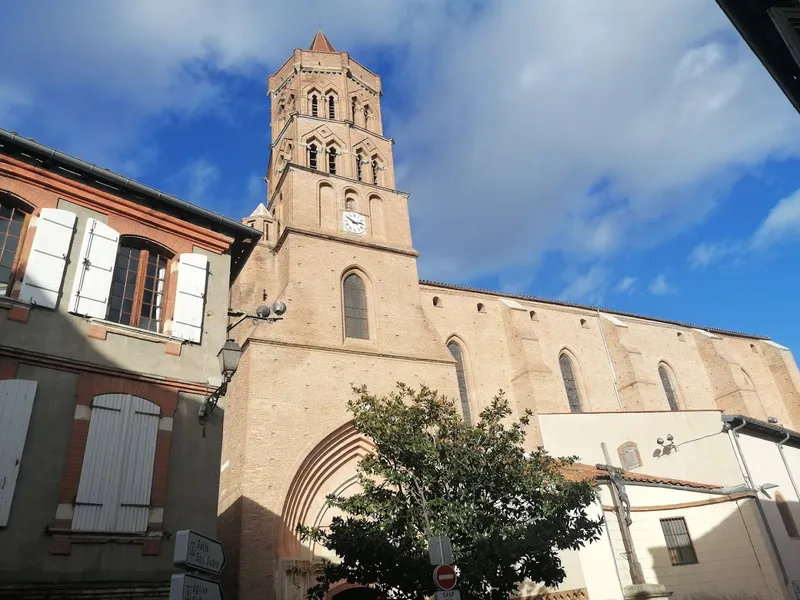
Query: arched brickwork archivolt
[[330, 467]]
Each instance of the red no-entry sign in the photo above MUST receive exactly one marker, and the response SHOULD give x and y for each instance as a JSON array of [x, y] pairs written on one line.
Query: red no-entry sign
[[444, 576]]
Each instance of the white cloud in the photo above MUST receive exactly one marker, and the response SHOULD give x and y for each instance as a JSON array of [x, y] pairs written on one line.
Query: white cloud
[[663, 107], [505, 117], [196, 180], [660, 286], [14, 104], [626, 285], [707, 253], [589, 287], [782, 222]]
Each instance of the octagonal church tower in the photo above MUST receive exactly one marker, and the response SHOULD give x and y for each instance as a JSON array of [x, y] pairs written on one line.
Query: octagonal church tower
[[337, 250]]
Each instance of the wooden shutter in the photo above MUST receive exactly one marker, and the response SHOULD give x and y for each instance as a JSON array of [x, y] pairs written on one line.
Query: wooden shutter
[[98, 489], [137, 465], [92, 284], [47, 261], [16, 403], [117, 472], [187, 320]]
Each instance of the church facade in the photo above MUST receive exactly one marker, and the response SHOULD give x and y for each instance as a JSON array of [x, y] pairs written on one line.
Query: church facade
[[337, 249]]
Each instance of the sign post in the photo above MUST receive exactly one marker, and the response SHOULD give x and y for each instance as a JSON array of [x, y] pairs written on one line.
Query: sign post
[[198, 554], [184, 586], [440, 550]]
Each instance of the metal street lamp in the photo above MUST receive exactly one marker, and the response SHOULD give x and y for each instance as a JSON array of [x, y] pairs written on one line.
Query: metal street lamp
[[228, 357], [231, 352]]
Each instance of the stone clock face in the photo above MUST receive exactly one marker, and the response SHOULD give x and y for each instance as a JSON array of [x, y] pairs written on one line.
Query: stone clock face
[[354, 222]]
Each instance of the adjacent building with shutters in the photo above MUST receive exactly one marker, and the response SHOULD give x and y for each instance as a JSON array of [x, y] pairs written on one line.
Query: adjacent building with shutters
[[113, 306], [337, 248]]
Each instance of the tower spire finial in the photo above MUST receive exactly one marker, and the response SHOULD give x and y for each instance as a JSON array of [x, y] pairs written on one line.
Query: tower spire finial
[[320, 43]]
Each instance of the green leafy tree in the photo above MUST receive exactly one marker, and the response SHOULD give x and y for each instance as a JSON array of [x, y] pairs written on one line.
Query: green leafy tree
[[506, 512]]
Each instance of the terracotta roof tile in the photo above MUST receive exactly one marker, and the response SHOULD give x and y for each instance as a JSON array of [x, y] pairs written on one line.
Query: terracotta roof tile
[[581, 471], [320, 43]]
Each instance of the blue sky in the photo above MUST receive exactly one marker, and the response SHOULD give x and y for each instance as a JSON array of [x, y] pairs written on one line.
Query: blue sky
[[628, 154]]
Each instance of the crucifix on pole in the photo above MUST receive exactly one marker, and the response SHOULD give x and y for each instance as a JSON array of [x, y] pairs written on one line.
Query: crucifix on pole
[[622, 508]]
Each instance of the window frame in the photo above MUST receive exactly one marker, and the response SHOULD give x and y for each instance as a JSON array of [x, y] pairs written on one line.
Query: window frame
[[624, 450], [331, 107], [27, 210], [674, 549], [578, 396], [359, 168], [314, 105], [462, 377], [667, 376], [146, 248], [346, 330], [313, 156], [332, 166], [375, 168]]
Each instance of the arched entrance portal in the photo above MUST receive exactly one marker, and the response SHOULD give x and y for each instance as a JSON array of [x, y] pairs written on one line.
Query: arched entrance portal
[[357, 593]]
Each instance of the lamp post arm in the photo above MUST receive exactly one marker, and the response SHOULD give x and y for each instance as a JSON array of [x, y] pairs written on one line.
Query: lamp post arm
[[254, 317]]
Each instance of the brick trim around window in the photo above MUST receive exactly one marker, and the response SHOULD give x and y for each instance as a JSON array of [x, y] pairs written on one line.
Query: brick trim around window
[[91, 385]]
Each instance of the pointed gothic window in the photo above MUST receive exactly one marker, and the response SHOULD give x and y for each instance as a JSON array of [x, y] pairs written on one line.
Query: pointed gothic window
[[374, 171], [314, 106], [455, 350], [570, 384], [356, 324], [359, 170], [331, 107], [312, 156], [353, 108], [669, 388], [331, 160], [366, 116]]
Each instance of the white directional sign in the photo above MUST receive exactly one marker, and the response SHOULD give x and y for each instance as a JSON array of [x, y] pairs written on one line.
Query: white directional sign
[[440, 551], [190, 587], [448, 595], [198, 552]]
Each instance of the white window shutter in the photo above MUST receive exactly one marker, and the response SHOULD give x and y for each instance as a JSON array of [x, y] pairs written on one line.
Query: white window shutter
[[92, 285], [187, 320], [47, 261], [98, 488], [137, 465], [16, 403], [117, 472]]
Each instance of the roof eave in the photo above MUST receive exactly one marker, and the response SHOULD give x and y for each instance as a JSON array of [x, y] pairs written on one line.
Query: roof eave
[[594, 309], [244, 237]]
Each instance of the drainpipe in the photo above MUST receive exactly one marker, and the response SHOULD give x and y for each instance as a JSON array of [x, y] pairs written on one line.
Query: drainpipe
[[786, 464], [610, 362], [734, 437]]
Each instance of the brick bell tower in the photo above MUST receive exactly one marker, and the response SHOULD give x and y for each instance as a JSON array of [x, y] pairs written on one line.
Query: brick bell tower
[[337, 250]]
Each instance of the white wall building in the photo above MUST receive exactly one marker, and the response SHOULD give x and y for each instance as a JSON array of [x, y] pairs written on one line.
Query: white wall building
[[713, 503]]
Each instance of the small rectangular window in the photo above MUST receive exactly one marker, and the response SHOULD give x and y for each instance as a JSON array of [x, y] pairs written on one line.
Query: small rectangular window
[[679, 543]]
